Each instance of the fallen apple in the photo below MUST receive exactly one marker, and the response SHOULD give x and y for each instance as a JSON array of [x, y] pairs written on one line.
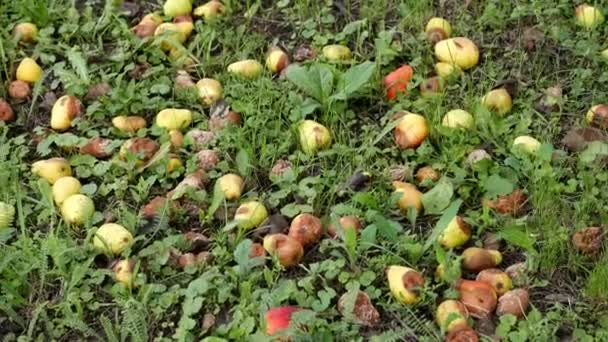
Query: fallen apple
[[411, 130], [65, 187], [19, 90], [499, 280], [147, 26], [29, 71], [404, 283], [427, 174], [210, 11], [248, 68], [304, 52], [460, 51], [588, 241], [123, 272], [451, 315], [306, 229], [447, 70], [518, 273], [279, 318], [410, 196], [7, 215], [458, 118], [143, 148], [223, 119], [286, 249], [198, 139], [396, 81], [129, 124], [438, 29], [462, 334], [184, 24], [588, 16], [209, 91], [77, 209], [231, 186], [478, 297], [498, 100], [276, 60], [432, 86], [172, 118], [65, 109], [207, 159], [256, 251], [598, 116], [313, 137], [250, 214], [112, 238], [512, 203], [194, 259], [25, 32], [336, 53], [52, 169], [169, 34], [476, 259], [363, 310], [514, 302], [173, 8], [526, 144], [6, 112], [346, 223], [456, 234]]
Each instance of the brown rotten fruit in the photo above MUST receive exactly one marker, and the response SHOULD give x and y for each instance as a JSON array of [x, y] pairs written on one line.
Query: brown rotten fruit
[[147, 26], [598, 116], [306, 229], [64, 111], [25, 32], [276, 60], [456, 234], [514, 302], [476, 259], [405, 283], [6, 112], [512, 203], [411, 130], [410, 196], [499, 280], [462, 334], [432, 86], [451, 315], [288, 250], [589, 240], [97, 147], [219, 121], [143, 148], [129, 124], [256, 251], [123, 271], [427, 173], [478, 297], [438, 29], [346, 223], [363, 310], [19, 90]]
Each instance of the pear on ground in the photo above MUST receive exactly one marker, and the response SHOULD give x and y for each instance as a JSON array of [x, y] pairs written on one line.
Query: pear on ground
[[52, 169], [65, 187], [112, 238], [77, 209]]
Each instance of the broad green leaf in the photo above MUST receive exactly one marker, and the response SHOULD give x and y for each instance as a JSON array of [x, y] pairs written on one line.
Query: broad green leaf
[[593, 150], [495, 185], [316, 81], [515, 236], [242, 162], [354, 79], [79, 64], [438, 198]]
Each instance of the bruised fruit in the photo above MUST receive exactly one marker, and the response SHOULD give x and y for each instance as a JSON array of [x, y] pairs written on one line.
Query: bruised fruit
[[123, 272], [456, 234], [286, 249], [156, 207], [526, 144], [249, 68], [518, 273], [223, 119], [207, 159], [514, 302], [198, 139], [313, 137], [29, 71], [112, 238], [256, 251], [231, 186], [172, 118], [446, 70], [176, 138], [589, 240], [183, 80], [209, 90], [336, 53], [306, 229], [77, 209], [147, 26], [478, 297], [65, 109], [426, 174], [432, 86], [411, 130], [498, 100], [173, 8], [451, 315], [462, 334], [476, 259], [512, 203], [250, 214], [210, 11], [396, 81], [459, 51], [6, 112], [7, 215], [410, 196], [304, 52], [477, 155], [143, 148], [405, 283], [276, 60], [346, 223], [458, 118], [129, 124], [363, 310], [598, 116], [19, 90], [97, 147], [65, 187], [438, 29], [52, 169], [499, 280], [588, 16], [25, 32], [279, 318], [98, 90], [193, 259]]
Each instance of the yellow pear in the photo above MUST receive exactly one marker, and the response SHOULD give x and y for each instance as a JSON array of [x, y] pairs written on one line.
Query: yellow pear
[[460, 51], [77, 209], [209, 90], [336, 53], [498, 100], [447, 70], [123, 272], [313, 136], [129, 124], [29, 71], [231, 185], [458, 118], [248, 68], [456, 234], [174, 119], [588, 16], [250, 214], [438, 29], [65, 187], [211, 10], [173, 8], [65, 109], [52, 169], [404, 283], [26, 32], [527, 144], [169, 33], [112, 238]]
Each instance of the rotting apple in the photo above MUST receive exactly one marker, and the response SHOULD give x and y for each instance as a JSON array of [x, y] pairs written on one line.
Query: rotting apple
[[256, 251], [411, 130], [476, 259], [499, 280], [129, 124], [143, 148], [478, 297], [65, 109], [456, 234], [451, 315], [77, 209], [462, 334], [25, 32], [194, 259], [526, 144], [221, 120], [210, 10], [279, 318], [363, 310], [335, 52], [158, 206], [276, 60], [173, 8], [248, 68], [286, 249], [6, 112], [29, 71], [427, 174], [172, 118], [405, 283], [207, 159], [193, 180], [176, 138], [410, 196], [518, 273], [231, 185], [65, 187], [460, 51], [19, 90], [432, 86], [588, 241], [250, 214], [112, 238], [306, 229], [183, 80], [397, 80], [52, 169], [511, 204], [598, 116], [498, 100], [447, 70], [346, 223], [198, 139], [209, 90], [438, 29], [514, 302], [313, 136], [458, 118], [147, 26], [7, 215], [588, 16]]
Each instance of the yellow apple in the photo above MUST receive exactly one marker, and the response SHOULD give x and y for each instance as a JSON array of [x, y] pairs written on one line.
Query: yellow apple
[[209, 90], [77, 209], [527, 144], [65, 187], [458, 118], [460, 51], [446, 70], [231, 186], [248, 68], [498, 100], [313, 137], [174, 119], [112, 238], [588, 16], [336, 52], [250, 214], [29, 71], [174, 8], [52, 169], [411, 130]]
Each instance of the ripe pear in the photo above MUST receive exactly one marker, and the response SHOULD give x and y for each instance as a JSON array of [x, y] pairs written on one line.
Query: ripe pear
[[456, 234], [210, 11], [65, 109], [404, 283], [438, 29], [477, 259], [458, 118], [29, 71], [410, 196], [26, 32], [249, 68], [7, 215], [276, 60], [250, 214], [460, 51], [77, 209], [129, 124], [123, 272], [336, 53], [52, 169], [527, 144], [169, 33], [174, 8], [498, 100], [313, 137], [65, 187], [231, 185], [411, 131], [209, 90], [112, 238], [588, 16], [172, 118]]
